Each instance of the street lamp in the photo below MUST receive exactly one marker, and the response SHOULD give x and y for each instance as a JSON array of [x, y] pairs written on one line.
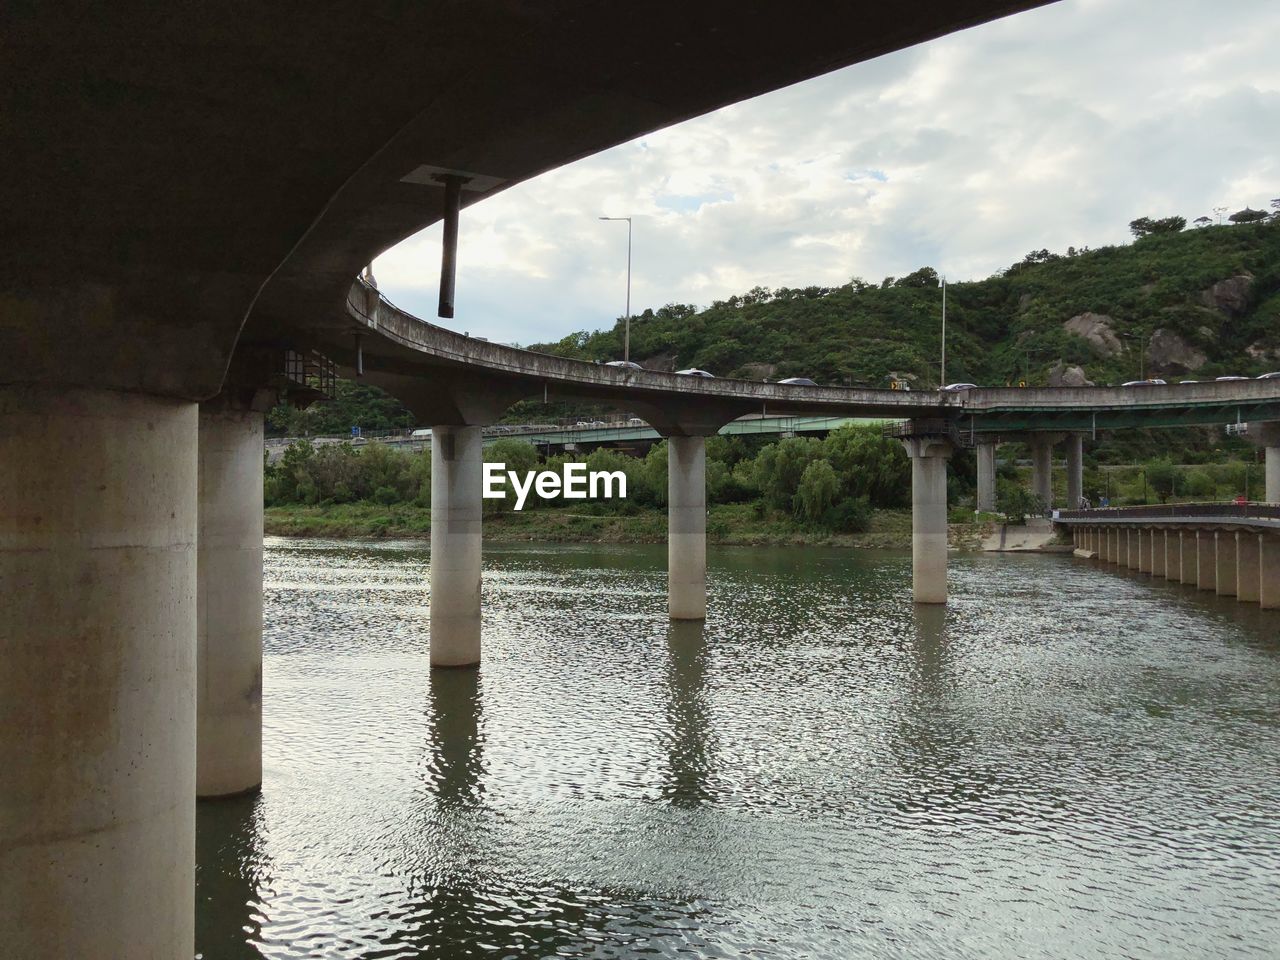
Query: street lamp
[[626, 336]]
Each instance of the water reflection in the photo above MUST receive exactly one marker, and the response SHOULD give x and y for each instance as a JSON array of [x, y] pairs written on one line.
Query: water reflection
[[690, 753], [455, 773], [230, 868]]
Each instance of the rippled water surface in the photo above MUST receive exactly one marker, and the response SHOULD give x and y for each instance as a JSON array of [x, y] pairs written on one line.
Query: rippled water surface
[[1066, 762]]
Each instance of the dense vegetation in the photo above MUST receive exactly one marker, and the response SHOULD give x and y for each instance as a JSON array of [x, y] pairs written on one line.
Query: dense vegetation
[[1005, 329], [825, 485]]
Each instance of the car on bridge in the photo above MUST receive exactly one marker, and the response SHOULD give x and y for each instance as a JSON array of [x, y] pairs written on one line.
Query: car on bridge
[[798, 382], [1151, 382], [624, 364], [695, 372], [957, 387], [1222, 379], [1274, 375]]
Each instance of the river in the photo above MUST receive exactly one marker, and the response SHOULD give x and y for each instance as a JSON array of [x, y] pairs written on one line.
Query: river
[[1067, 761]]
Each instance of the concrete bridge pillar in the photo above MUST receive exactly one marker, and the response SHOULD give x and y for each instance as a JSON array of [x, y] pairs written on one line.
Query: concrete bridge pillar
[[1190, 550], [97, 683], [1075, 470], [1159, 552], [1225, 565], [987, 477], [1273, 474], [456, 545], [1042, 468], [1172, 555], [1146, 546], [1206, 560], [1132, 547], [1269, 572], [928, 517], [687, 528], [229, 602], [1248, 557]]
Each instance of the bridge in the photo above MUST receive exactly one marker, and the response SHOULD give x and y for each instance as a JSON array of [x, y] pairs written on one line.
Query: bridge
[[1230, 549], [187, 201]]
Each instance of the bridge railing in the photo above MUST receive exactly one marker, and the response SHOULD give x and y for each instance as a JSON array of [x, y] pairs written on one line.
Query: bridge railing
[[1215, 510], [930, 427]]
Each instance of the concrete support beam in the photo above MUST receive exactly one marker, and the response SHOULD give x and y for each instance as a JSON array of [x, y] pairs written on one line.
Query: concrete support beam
[[1132, 544], [1159, 552], [97, 687], [1206, 560], [987, 477], [1172, 555], [687, 528], [1225, 569], [1042, 468], [928, 517], [1269, 572], [229, 604], [1075, 470], [1273, 475], [456, 545], [1146, 544], [1114, 535], [1248, 566], [1190, 567]]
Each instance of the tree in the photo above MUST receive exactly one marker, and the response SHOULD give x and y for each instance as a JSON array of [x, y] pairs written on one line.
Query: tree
[[1162, 477], [870, 465], [816, 493], [1202, 221], [924, 277], [1016, 502], [1146, 226], [1248, 215]]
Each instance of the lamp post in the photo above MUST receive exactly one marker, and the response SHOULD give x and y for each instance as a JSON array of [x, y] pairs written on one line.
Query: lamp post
[[626, 336]]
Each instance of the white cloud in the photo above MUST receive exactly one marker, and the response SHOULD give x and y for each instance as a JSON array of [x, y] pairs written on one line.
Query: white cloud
[[1047, 129]]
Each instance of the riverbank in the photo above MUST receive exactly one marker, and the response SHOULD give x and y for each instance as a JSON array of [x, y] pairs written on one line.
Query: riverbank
[[730, 524]]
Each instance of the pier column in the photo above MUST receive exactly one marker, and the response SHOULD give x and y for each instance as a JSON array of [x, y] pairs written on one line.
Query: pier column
[[987, 477], [1206, 560], [1075, 470], [687, 528], [1225, 565], [1269, 572], [1146, 545], [97, 674], [229, 603], [1190, 566], [1273, 474], [928, 517], [1132, 546], [456, 545], [1042, 468], [1248, 578], [1172, 555], [1113, 544], [1159, 552]]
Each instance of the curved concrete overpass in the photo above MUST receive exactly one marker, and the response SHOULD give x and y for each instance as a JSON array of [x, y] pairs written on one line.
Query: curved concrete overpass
[[447, 378]]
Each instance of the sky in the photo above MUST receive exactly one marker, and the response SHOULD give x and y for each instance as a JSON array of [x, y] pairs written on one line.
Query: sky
[[1047, 129]]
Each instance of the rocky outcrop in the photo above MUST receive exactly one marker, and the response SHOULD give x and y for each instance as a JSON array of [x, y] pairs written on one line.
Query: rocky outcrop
[[1260, 351], [1230, 296], [759, 371], [1169, 353], [1095, 328], [1061, 375], [662, 362]]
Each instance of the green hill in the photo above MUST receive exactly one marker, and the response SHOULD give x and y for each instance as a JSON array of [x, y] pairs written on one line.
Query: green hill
[[1197, 303]]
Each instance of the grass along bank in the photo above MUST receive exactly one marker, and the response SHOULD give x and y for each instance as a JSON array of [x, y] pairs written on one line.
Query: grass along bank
[[728, 524]]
